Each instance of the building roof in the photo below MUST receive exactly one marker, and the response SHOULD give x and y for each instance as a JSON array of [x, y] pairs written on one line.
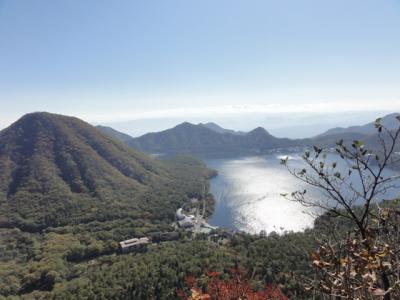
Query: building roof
[[179, 215], [134, 242], [186, 222]]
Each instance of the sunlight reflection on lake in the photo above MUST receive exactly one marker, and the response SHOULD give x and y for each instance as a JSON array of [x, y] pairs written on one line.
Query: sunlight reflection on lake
[[248, 195]]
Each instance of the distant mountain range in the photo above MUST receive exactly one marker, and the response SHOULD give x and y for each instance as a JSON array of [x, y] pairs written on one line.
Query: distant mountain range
[[211, 140], [389, 121], [57, 170], [366, 133], [201, 140]]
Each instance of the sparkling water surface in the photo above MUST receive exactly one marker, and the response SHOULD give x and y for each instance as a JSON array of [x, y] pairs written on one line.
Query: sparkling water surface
[[248, 194]]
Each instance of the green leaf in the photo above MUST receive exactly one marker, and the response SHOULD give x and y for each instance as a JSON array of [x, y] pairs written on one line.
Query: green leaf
[[284, 160], [302, 172], [357, 144]]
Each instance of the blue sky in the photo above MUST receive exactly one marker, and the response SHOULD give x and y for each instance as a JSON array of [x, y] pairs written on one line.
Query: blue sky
[[120, 61]]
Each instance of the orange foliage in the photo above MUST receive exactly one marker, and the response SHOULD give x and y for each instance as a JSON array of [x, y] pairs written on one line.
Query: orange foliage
[[238, 287]]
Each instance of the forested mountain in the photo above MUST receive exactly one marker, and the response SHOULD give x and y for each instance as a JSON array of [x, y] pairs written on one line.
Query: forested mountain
[[69, 194], [57, 170], [201, 140], [123, 137], [368, 134], [210, 140], [389, 121]]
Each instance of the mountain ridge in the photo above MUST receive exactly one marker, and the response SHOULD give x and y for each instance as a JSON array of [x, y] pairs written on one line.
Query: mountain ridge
[[216, 141], [389, 121], [200, 140], [215, 127]]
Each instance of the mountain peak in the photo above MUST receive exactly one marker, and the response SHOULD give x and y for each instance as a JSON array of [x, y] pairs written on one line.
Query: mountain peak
[[185, 125], [43, 115], [44, 120], [211, 125], [259, 131], [205, 141], [65, 161]]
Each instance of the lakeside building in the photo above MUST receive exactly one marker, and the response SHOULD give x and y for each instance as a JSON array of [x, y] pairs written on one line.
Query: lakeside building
[[179, 215], [186, 223], [133, 244], [195, 223], [183, 220]]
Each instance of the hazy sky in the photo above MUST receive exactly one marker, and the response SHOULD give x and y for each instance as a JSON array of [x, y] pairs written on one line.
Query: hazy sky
[[116, 61]]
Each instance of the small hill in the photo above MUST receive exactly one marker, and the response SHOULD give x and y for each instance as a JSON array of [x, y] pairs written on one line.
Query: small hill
[[57, 170]]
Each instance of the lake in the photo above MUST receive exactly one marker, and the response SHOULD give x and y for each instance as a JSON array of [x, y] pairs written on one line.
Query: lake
[[248, 194]]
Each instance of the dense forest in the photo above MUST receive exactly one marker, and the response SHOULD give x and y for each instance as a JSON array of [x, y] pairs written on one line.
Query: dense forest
[[69, 193], [78, 262]]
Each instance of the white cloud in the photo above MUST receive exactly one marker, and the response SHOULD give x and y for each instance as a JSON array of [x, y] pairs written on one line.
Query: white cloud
[[245, 109]]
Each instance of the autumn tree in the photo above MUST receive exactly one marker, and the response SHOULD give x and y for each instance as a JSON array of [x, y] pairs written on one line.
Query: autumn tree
[[239, 286]]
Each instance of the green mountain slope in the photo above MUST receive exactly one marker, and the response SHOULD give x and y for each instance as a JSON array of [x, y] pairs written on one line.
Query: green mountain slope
[[389, 121], [69, 194], [57, 170], [203, 141], [211, 140], [123, 137]]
